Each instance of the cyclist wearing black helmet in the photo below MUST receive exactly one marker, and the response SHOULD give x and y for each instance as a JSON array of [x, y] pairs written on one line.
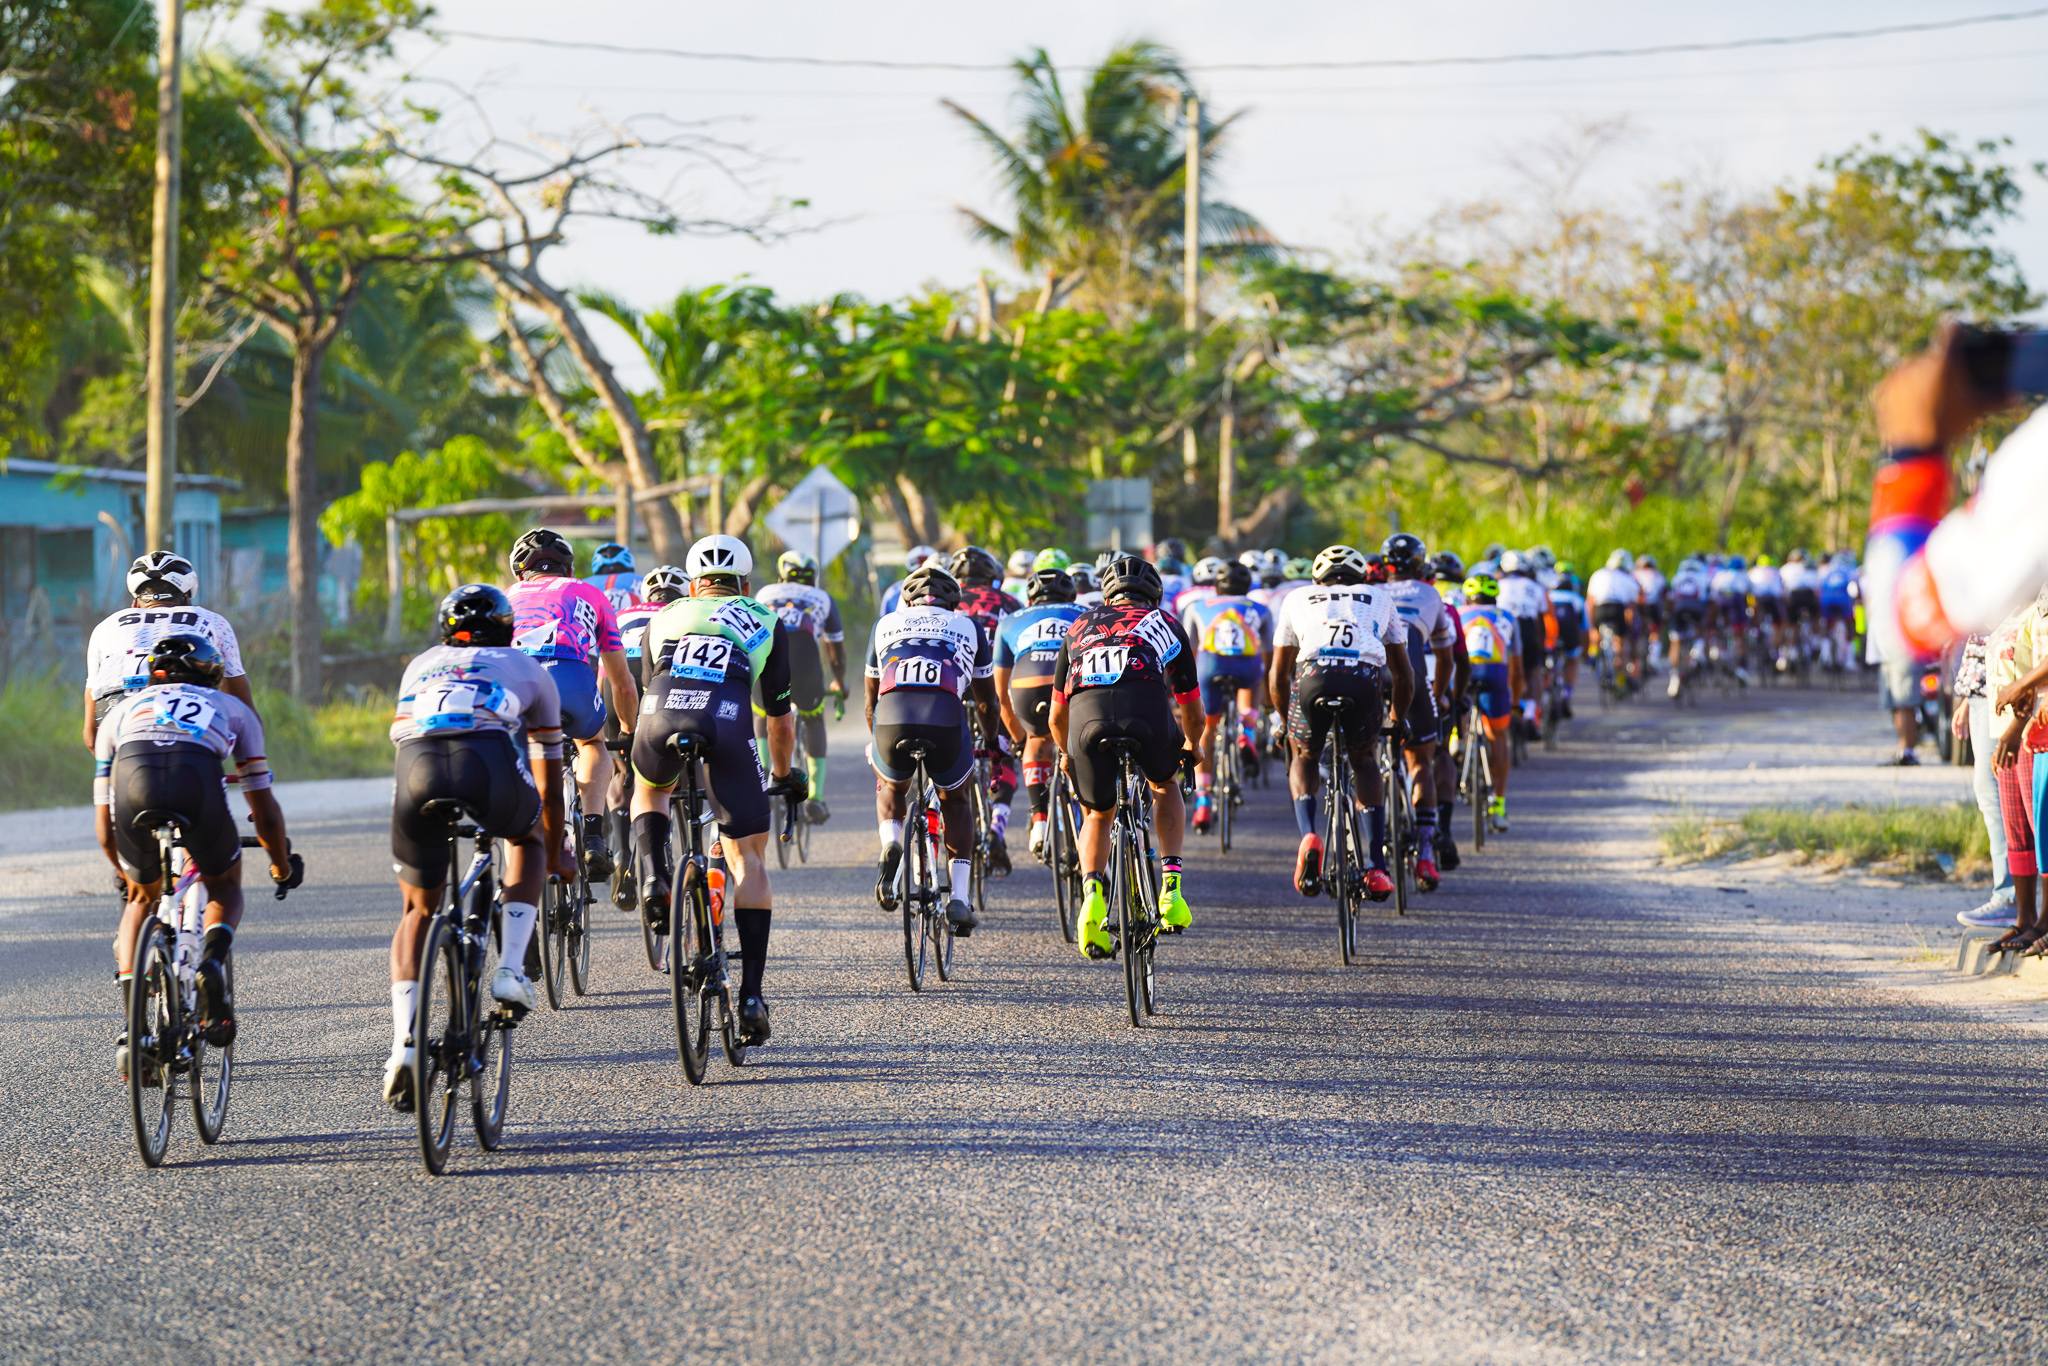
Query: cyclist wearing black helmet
[[662, 585], [1432, 640], [1120, 673], [161, 586], [817, 642], [982, 597], [1026, 649], [160, 749], [924, 659], [472, 711], [573, 630]]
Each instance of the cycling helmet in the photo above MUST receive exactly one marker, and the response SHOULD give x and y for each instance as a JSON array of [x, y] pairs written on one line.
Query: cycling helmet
[[1449, 566], [185, 658], [1083, 574], [1339, 564], [972, 564], [475, 614], [1133, 580], [720, 557], [1272, 568], [916, 557], [1736, 563], [1172, 548], [1540, 556], [1796, 557], [1049, 585], [1233, 581], [1252, 559], [1022, 562], [161, 574], [796, 567], [1377, 570], [1206, 570], [665, 583], [542, 551], [611, 558], [1406, 554], [1494, 550], [1299, 566], [1513, 562], [1643, 561], [1567, 569], [1482, 588], [931, 586], [1052, 558], [1766, 562], [1621, 560]]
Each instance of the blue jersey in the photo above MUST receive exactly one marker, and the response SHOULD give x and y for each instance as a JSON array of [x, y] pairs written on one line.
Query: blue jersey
[[1229, 628], [1028, 642], [621, 589], [1837, 586]]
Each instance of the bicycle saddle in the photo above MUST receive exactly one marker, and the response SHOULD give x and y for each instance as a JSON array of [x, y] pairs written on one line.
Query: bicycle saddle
[[153, 821], [686, 745], [447, 809]]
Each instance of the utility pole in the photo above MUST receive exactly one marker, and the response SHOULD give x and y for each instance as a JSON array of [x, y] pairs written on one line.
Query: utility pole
[[163, 284], [1191, 268]]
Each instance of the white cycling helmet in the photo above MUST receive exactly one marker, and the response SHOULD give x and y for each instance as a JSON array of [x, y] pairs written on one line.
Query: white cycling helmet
[[1339, 559], [1623, 561], [1513, 562], [914, 558], [1021, 562], [1252, 559], [165, 568], [720, 555], [1206, 570]]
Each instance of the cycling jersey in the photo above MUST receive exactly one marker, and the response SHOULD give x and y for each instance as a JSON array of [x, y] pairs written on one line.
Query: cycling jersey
[[1492, 636], [182, 714], [1015, 587], [1690, 588], [1125, 646], [1574, 619], [562, 618], [1523, 596], [1422, 611], [1764, 582], [1181, 601], [1231, 628], [811, 618], [1451, 593], [633, 623], [929, 647], [620, 590], [452, 690], [988, 605], [719, 643], [1728, 584], [160, 749], [1029, 643], [1800, 578], [1340, 626], [1172, 586], [1652, 585], [1612, 585], [117, 655], [1838, 587]]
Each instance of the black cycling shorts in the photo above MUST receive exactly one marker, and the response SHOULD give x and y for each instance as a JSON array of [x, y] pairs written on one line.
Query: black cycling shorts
[[1533, 646], [1688, 616], [1422, 706], [484, 770], [1769, 608], [718, 714], [1033, 706], [184, 780], [806, 672], [933, 717], [1611, 614], [1651, 614], [1361, 697], [1140, 711], [1803, 603]]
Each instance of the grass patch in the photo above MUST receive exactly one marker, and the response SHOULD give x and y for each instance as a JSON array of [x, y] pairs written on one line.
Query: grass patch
[[1947, 840], [43, 764]]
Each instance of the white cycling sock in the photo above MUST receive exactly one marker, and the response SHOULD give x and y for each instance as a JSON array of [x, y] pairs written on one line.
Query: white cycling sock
[[963, 879], [518, 932], [405, 1002], [892, 833]]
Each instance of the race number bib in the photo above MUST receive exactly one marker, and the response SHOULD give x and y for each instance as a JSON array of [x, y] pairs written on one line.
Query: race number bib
[[751, 630], [1482, 642], [1104, 665], [635, 641], [445, 707], [792, 614], [1043, 635], [917, 671], [536, 640], [1336, 639], [704, 658], [135, 671], [189, 714], [1225, 636], [1158, 633]]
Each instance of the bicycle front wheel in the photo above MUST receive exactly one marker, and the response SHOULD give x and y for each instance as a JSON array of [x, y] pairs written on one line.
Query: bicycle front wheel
[[155, 1022], [1060, 852], [916, 888], [578, 938], [490, 1061], [555, 896], [212, 1073], [440, 1032], [691, 992], [1135, 931]]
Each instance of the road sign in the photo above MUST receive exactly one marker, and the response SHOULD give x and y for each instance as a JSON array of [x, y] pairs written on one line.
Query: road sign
[[820, 516], [1119, 514]]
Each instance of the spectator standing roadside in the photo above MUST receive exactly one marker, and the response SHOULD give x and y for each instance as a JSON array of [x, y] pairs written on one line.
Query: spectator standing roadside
[[2012, 659], [1973, 719]]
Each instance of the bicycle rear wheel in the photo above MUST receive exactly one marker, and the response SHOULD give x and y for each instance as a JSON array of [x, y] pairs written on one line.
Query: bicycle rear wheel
[[555, 896], [917, 887], [1401, 819], [155, 1022], [212, 1074], [440, 1043], [1340, 856], [1225, 796], [578, 938], [691, 993], [490, 1063], [1134, 930], [1061, 851]]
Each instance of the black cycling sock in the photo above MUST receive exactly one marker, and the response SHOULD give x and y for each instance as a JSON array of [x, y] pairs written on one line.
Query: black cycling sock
[[219, 939], [1443, 820], [650, 849], [753, 927], [1041, 797]]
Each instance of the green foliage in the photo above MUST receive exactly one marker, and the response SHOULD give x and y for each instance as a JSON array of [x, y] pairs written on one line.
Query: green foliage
[[1904, 839], [338, 739]]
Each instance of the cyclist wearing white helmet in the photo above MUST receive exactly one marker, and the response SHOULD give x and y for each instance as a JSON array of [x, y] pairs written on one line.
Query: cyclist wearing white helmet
[[1201, 583], [1523, 596], [817, 639], [161, 586], [1017, 572]]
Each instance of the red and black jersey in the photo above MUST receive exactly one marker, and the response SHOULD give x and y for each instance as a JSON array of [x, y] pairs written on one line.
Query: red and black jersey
[[1117, 646], [988, 605]]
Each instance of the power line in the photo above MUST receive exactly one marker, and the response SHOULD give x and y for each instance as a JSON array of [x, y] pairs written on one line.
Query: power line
[[1658, 50]]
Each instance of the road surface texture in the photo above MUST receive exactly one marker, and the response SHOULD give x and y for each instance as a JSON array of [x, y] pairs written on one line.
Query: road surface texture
[[1568, 1110]]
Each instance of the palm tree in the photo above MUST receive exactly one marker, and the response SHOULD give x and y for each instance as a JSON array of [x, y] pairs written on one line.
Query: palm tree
[[1097, 188]]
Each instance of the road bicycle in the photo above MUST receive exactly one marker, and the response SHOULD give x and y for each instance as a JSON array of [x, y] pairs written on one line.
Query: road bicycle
[[1227, 790], [1134, 877], [1346, 855], [561, 945], [166, 1046], [1475, 773], [699, 977], [795, 826], [922, 886], [461, 1036], [1063, 850], [1400, 809]]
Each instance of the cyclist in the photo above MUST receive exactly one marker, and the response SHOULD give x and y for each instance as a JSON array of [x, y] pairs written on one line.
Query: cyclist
[[568, 626], [1802, 588], [1333, 643], [706, 656], [1431, 659], [1767, 590], [1018, 572], [1654, 585], [471, 712], [1450, 577], [914, 559], [1269, 570], [1448, 572], [1612, 594], [976, 571], [1293, 577], [1120, 673], [1568, 606], [1201, 584], [1688, 596], [1491, 637], [1086, 591], [924, 659], [611, 573], [1026, 649], [160, 749], [1170, 558], [1839, 593], [161, 586], [1521, 595], [662, 586], [1728, 592], [1233, 639], [816, 638]]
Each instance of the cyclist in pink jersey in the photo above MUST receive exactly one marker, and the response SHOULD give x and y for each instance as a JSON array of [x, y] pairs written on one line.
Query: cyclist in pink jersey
[[571, 630]]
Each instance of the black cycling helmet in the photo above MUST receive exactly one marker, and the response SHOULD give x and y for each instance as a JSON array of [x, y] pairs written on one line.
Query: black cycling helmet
[[1050, 585], [541, 551], [973, 565], [1449, 566], [475, 614], [1406, 555], [931, 586], [1131, 579], [185, 658], [664, 583], [1233, 580]]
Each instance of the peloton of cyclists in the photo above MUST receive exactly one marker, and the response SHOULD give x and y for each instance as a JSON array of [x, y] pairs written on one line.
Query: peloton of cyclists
[[816, 639]]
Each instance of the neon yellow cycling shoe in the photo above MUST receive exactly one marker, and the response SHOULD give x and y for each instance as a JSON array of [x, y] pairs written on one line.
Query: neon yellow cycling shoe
[[1094, 936], [1174, 915]]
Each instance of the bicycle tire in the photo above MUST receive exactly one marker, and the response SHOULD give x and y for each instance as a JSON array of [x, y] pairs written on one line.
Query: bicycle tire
[[440, 1044], [803, 835], [1340, 852], [490, 1067], [155, 1020], [689, 996], [554, 938], [209, 1114], [1401, 833], [1225, 796], [579, 941], [1132, 935], [915, 885], [1065, 854]]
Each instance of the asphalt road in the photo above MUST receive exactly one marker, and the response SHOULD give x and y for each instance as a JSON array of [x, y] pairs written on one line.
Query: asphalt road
[[1557, 1116]]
